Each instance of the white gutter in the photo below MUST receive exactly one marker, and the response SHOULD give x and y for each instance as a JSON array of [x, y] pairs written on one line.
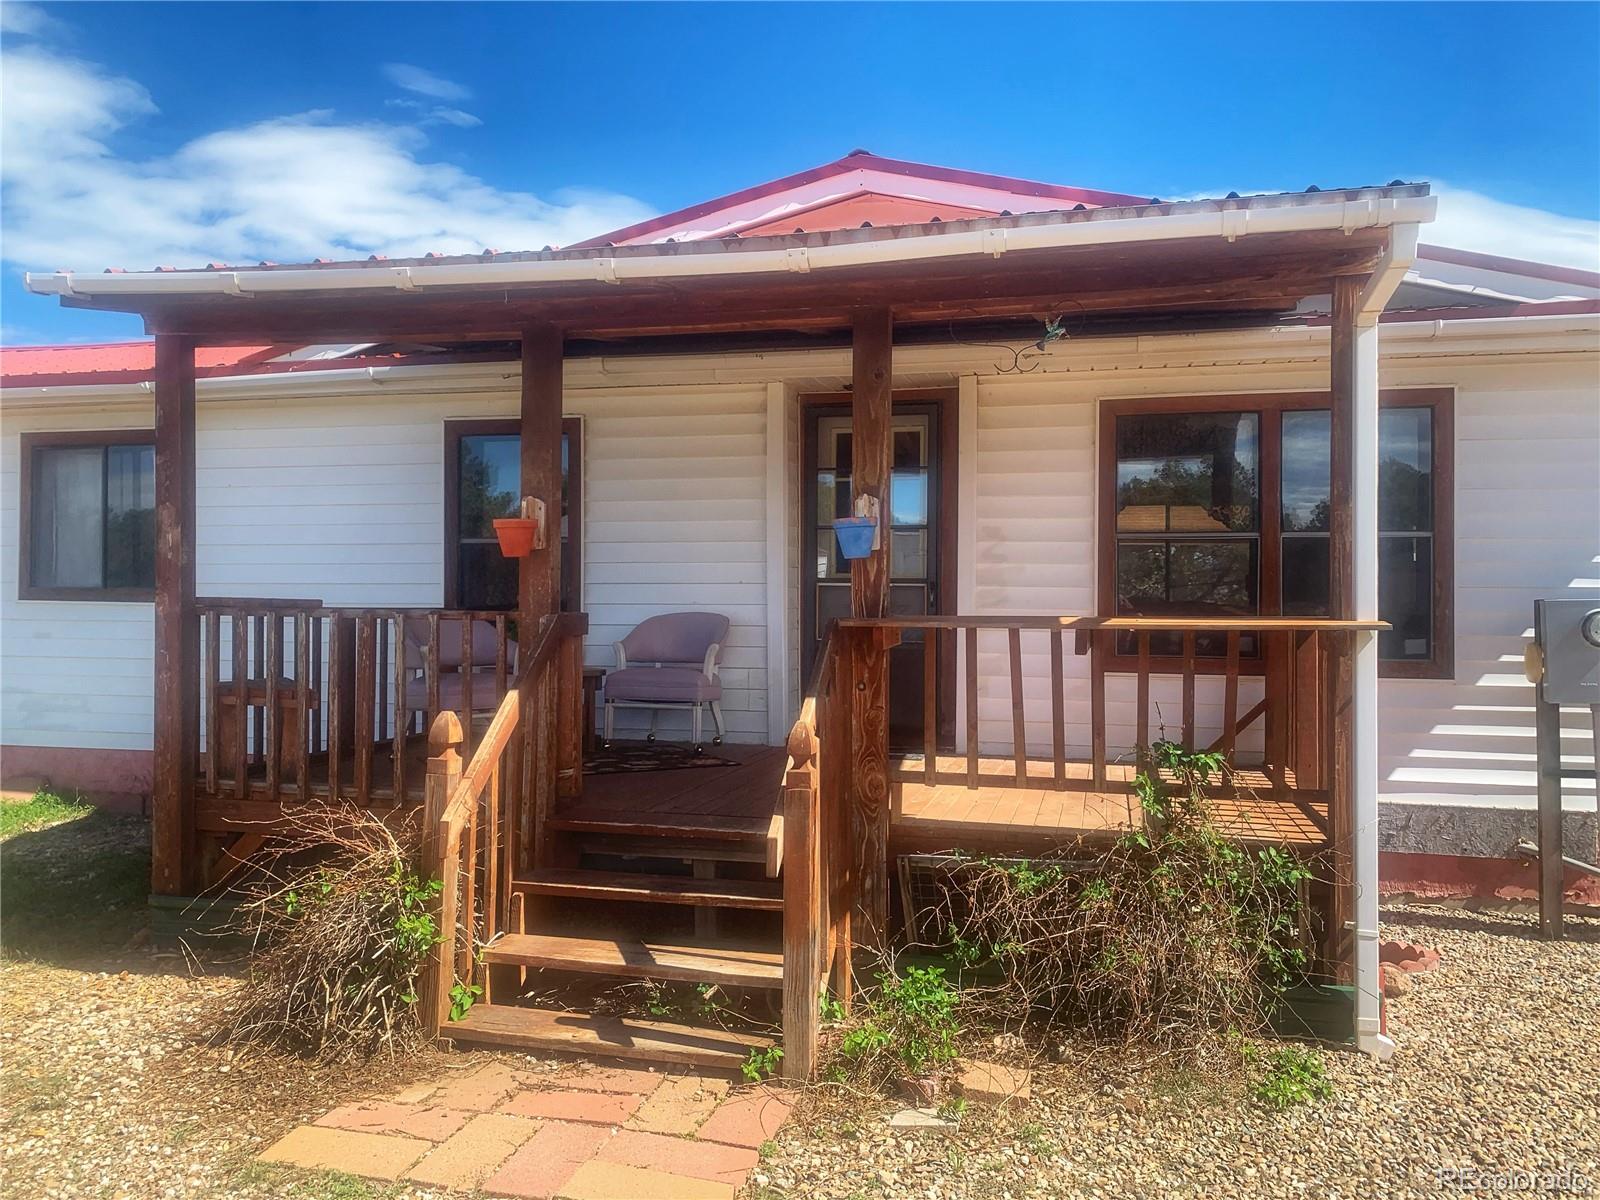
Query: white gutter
[[1391, 270], [1230, 223]]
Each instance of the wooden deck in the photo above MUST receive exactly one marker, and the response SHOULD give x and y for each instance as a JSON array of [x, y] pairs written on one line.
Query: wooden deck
[[741, 801], [1254, 810]]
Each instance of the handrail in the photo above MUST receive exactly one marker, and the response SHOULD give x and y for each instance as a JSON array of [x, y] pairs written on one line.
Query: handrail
[[553, 631], [1126, 624], [470, 814]]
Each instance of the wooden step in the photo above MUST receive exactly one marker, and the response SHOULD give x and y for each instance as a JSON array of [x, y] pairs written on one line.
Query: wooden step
[[765, 832], [663, 889], [711, 962], [681, 849], [606, 1037], [710, 827]]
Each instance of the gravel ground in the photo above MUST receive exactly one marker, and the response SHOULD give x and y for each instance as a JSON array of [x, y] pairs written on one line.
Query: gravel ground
[[1497, 1070], [108, 1088]]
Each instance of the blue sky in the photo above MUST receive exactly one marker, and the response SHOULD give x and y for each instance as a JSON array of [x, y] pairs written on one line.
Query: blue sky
[[138, 134]]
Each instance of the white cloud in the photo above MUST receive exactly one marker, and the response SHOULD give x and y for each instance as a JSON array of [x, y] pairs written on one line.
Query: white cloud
[[454, 116], [1468, 220], [25, 20], [424, 82], [289, 189]]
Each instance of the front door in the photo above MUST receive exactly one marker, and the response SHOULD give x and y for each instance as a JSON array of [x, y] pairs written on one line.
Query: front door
[[918, 513]]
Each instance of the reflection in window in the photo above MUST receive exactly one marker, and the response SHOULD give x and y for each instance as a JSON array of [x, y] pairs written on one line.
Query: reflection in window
[[92, 516], [1405, 533], [1188, 511], [489, 486], [1307, 512]]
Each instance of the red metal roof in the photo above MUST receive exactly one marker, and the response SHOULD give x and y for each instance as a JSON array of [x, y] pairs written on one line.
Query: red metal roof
[[113, 362], [1048, 196]]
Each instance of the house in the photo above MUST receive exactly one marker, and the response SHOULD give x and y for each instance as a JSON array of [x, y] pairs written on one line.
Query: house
[[1266, 473]]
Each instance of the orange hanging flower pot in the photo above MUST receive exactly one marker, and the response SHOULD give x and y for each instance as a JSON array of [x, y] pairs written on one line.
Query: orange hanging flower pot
[[516, 535]]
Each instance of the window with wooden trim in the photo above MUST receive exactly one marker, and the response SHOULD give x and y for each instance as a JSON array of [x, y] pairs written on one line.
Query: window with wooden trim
[[88, 516], [1223, 506], [483, 481]]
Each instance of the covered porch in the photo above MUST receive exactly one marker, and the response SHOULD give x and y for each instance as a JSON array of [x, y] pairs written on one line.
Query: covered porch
[[312, 704]]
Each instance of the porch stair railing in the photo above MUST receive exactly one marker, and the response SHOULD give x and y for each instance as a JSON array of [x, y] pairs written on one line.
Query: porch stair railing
[[496, 915]]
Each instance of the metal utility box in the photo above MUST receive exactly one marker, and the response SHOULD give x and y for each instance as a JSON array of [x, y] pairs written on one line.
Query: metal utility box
[[1567, 633]]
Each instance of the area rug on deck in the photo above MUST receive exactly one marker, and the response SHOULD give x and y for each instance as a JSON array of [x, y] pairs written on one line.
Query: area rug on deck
[[627, 758]]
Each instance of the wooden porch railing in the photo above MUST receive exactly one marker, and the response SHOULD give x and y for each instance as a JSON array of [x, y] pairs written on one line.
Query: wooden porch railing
[[485, 822], [1298, 661], [300, 700]]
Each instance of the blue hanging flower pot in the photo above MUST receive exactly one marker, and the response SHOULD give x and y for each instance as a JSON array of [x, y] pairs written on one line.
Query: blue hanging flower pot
[[855, 536]]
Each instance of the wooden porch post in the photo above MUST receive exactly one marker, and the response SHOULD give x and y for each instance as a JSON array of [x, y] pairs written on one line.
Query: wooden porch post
[[539, 576], [1338, 944], [867, 650], [177, 631]]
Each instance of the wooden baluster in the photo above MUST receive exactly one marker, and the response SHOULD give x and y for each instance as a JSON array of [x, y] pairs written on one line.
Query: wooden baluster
[[492, 839], [501, 653], [1058, 714], [336, 702], [258, 653], [1188, 689], [366, 685], [1142, 702], [972, 706], [304, 625], [1278, 709], [213, 621], [1098, 649], [468, 740], [440, 861], [241, 704], [382, 684], [1019, 728], [433, 668], [544, 766], [1230, 697], [469, 882], [318, 740], [402, 714], [930, 706], [568, 666], [272, 742], [833, 716]]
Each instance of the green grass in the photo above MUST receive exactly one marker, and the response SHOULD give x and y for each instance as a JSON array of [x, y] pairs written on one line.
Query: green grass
[[46, 808], [74, 880], [314, 1185]]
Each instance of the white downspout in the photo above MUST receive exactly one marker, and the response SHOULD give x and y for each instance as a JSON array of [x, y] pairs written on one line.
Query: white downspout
[[1364, 575]]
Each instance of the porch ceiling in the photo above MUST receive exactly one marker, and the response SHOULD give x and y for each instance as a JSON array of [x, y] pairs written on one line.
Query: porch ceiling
[[1255, 272]]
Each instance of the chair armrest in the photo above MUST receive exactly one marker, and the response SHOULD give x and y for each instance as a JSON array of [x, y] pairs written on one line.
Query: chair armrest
[[622, 655], [709, 670]]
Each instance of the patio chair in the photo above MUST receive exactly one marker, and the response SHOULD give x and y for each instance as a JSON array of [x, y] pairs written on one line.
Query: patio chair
[[486, 696], [669, 662]]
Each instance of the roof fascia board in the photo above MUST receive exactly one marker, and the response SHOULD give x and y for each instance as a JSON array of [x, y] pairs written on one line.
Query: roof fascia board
[[1286, 344], [1096, 227]]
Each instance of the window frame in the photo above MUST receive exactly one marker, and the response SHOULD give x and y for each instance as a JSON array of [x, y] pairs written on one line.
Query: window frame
[[28, 443], [1272, 406], [454, 431]]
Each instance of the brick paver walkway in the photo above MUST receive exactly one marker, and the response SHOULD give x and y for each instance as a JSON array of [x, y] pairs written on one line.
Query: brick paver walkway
[[586, 1133]]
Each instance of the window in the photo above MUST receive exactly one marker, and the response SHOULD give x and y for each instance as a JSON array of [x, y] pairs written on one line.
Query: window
[[483, 481], [1227, 510], [88, 516]]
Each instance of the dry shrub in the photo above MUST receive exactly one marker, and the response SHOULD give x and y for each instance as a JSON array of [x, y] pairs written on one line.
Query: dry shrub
[[1177, 938], [340, 926]]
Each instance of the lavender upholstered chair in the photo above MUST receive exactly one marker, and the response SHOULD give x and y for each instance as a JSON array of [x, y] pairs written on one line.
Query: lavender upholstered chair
[[669, 662], [486, 696]]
